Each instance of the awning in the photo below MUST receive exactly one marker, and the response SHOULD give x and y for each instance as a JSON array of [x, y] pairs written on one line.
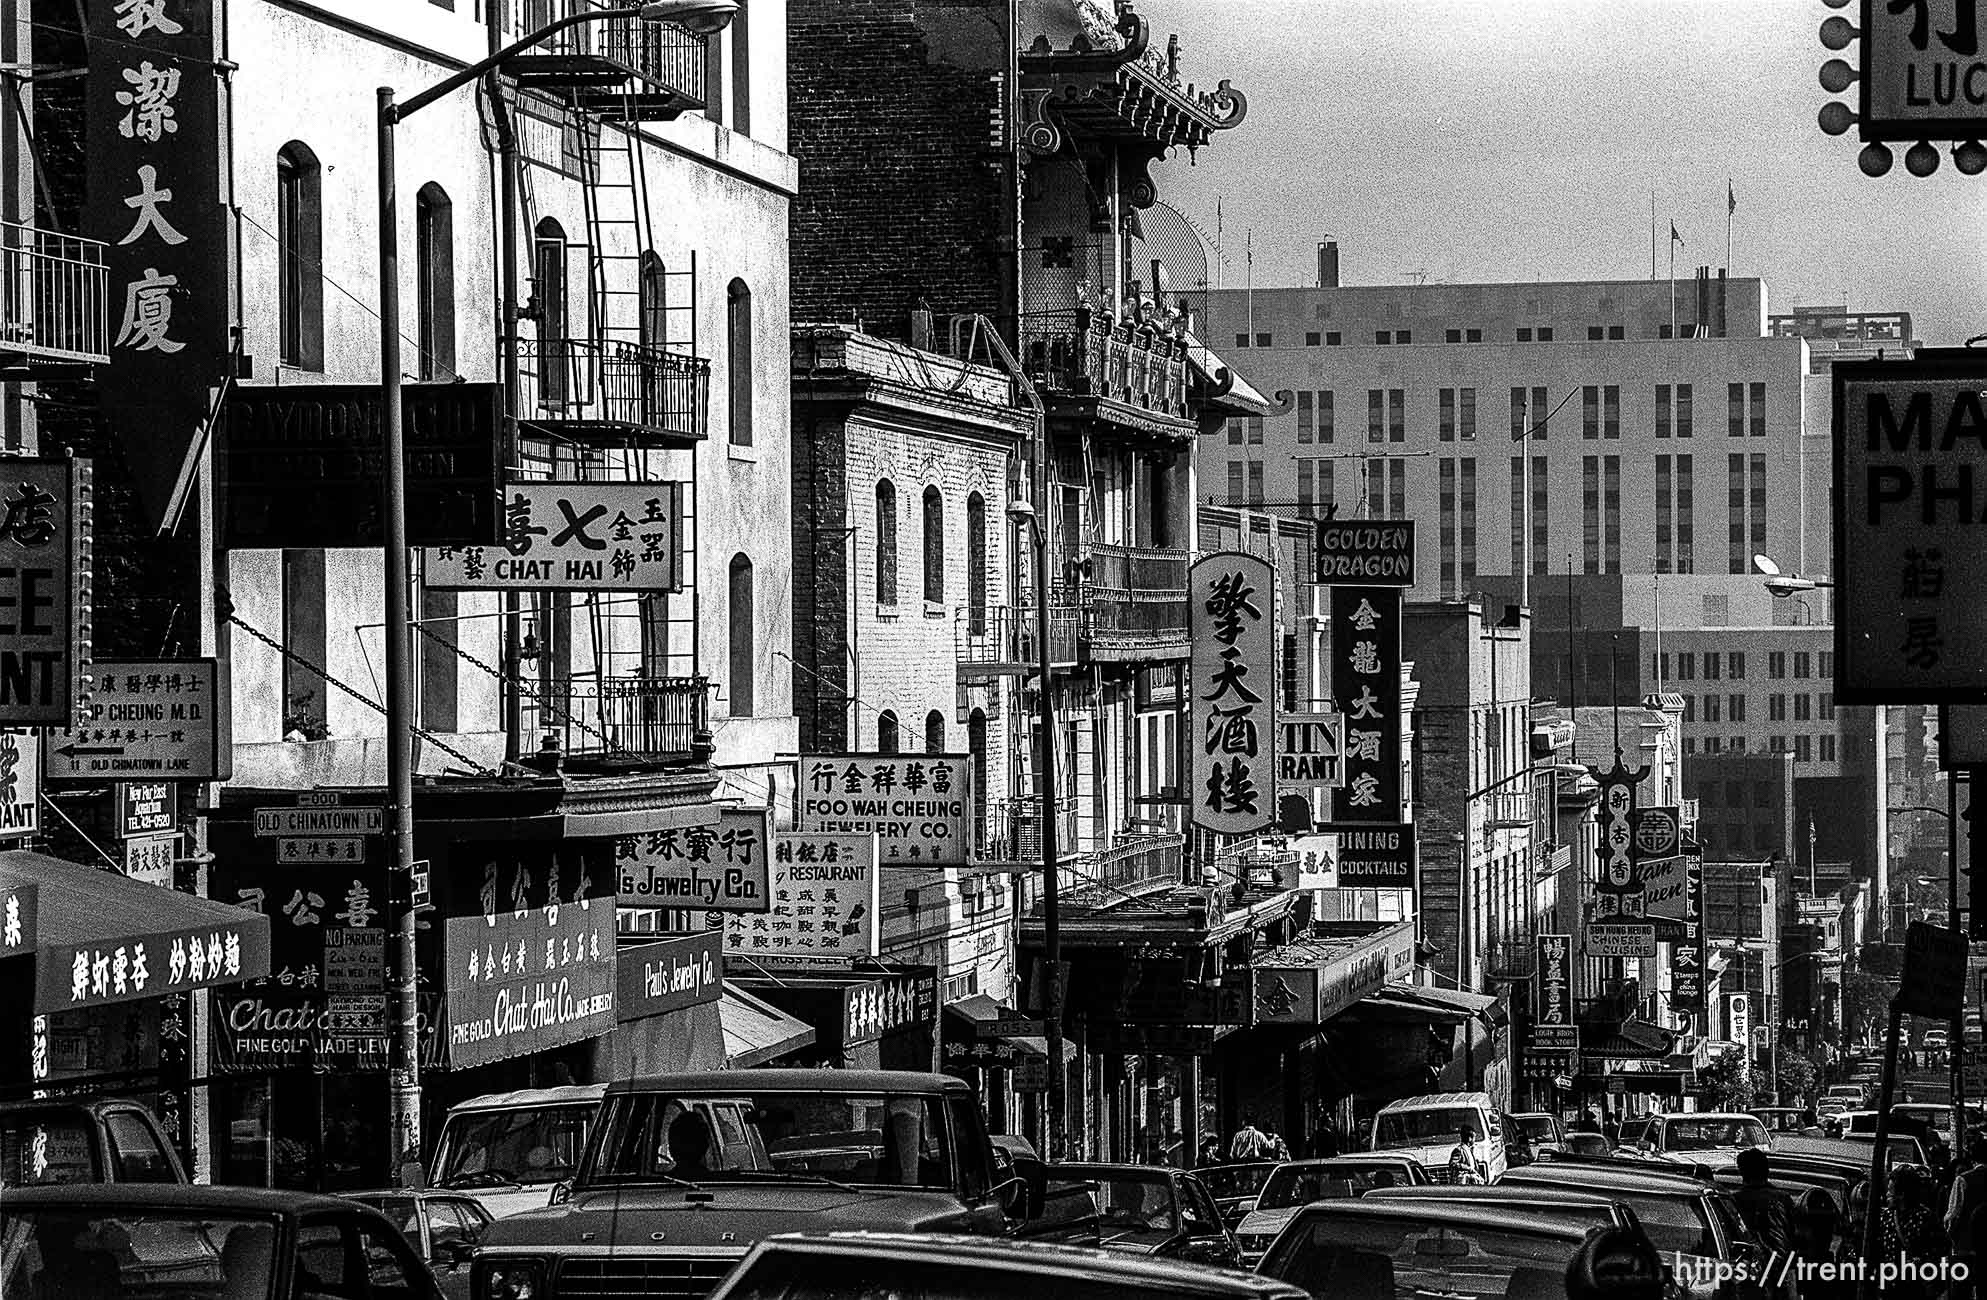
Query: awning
[[973, 1047], [755, 1031], [98, 937], [1629, 1040], [1226, 391], [1436, 1005]]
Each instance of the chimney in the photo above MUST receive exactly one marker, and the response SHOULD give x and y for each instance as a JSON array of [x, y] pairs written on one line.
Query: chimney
[[1328, 264]]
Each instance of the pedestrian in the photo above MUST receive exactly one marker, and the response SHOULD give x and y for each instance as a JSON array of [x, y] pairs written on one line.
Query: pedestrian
[[1588, 1122], [1911, 1231], [1210, 1151], [1966, 1215], [1767, 1210], [1250, 1142], [1325, 1142], [1279, 1150], [1464, 1164]]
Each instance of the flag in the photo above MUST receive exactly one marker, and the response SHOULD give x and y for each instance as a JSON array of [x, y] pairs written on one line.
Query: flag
[[1674, 236], [1731, 200]]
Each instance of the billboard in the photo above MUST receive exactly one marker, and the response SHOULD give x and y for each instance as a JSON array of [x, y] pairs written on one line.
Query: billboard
[[1366, 683], [573, 537], [917, 805], [1231, 616], [825, 900]]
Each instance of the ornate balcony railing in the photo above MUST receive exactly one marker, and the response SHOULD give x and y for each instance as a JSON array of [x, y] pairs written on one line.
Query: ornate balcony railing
[[1135, 601], [650, 70], [1089, 353], [1000, 639], [54, 298], [614, 389], [1135, 860], [625, 717]]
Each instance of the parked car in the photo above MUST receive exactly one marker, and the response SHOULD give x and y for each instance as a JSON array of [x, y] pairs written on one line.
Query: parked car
[[1542, 1130], [151, 1239], [1428, 1129], [1936, 1040], [1586, 1145], [1365, 1248], [1700, 1137], [1235, 1187], [509, 1150], [975, 1268], [1685, 1218], [1938, 1118], [1787, 1119], [1297, 1183], [1140, 1209], [77, 1141], [442, 1227]]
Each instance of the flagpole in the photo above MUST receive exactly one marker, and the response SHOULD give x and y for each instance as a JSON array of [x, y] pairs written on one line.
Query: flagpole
[[1652, 234], [1731, 206], [1673, 279]]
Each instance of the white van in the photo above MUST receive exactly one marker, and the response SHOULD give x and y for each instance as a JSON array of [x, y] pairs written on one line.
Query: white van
[[1429, 1128], [508, 1150]]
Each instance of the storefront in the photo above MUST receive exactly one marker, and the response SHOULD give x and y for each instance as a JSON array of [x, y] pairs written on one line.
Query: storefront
[[666, 1009], [881, 1019], [1002, 1054]]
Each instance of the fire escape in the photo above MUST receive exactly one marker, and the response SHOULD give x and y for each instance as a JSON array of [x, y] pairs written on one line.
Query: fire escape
[[54, 304], [611, 386]]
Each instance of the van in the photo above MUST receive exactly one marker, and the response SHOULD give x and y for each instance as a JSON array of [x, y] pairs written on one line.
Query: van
[[1427, 1130], [508, 1151]]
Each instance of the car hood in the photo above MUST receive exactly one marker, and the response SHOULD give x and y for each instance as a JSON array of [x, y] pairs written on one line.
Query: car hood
[[1266, 1223], [735, 1214], [514, 1198]]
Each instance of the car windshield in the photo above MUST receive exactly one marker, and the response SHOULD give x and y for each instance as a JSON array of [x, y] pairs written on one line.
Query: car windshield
[[1674, 1223], [891, 1139], [529, 1144], [777, 1274], [1420, 1128], [136, 1253], [1226, 1181], [1536, 1127], [35, 1152], [1704, 1134], [1123, 1203], [1301, 1184], [1338, 1257]]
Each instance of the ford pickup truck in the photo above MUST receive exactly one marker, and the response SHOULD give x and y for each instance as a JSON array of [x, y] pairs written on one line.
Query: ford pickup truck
[[685, 1173]]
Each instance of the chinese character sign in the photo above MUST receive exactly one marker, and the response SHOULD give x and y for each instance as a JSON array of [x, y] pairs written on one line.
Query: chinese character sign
[[45, 566], [917, 805], [721, 868], [1687, 955], [1618, 893], [1231, 613], [1555, 989], [573, 537], [20, 784], [523, 981], [825, 897], [152, 106], [1366, 683]]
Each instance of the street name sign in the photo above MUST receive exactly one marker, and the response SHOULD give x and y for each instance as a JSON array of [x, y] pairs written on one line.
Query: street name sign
[[331, 823], [148, 719]]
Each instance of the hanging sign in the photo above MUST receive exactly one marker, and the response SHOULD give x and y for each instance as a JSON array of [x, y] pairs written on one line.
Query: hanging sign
[[156, 718], [917, 805], [1376, 857], [1366, 553], [720, 868], [1656, 845], [824, 902], [1310, 752], [20, 785], [1618, 892], [1553, 1026], [1922, 72], [45, 577], [151, 858], [1618, 940], [1687, 954], [146, 808], [1738, 1017], [1366, 683], [573, 536], [1231, 620]]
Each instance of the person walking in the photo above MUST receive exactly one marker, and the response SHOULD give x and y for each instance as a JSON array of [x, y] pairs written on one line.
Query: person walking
[[1250, 1143], [1966, 1217], [1911, 1231], [1767, 1210]]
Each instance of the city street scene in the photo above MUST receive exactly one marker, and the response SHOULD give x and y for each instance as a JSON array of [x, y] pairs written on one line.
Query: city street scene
[[992, 649]]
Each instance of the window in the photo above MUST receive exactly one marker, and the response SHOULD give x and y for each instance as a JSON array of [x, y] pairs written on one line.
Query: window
[[1690, 708], [299, 241], [1327, 430], [1686, 666], [1241, 340], [1590, 411], [1306, 481], [1376, 415], [1828, 749], [934, 732], [886, 543], [1611, 411], [1616, 332], [1545, 333], [1331, 338], [738, 360], [434, 277], [1804, 705], [1594, 333], [1396, 415], [1255, 431], [1825, 706], [1686, 519], [1713, 665], [887, 740], [1524, 336], [1735, 410], [1403, 336], [1234, 482], [1255, 482], [1518, 425], [1445, 416], [741, 68], [1541, 412], [1712, 744], [1452, 336], [976, 560], [1776, 664], [1263, 340], [1306, 419], [1312, 339], [1235, 431], [1803, 661], [1776, 708], [1735, 665], [739, 668], [934, 547], [1383, 336], [1473, 336], [1665, 515], [1662, 410], [548, 290], [1757, 421], [1684, 411], [1804, 749], [976, 748], [1828, 663], [1735, 708], [1712, 706], [1466, 414]]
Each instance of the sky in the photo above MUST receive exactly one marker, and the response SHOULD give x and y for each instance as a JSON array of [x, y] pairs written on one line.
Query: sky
[[1512, 140]]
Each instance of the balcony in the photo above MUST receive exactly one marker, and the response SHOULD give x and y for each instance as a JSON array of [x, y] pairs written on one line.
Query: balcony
[[622, 69], [1131, 370], [612, 392], [54, 302], [624, 719], [1135, 603], [1000, 641], [1134, 861], [1012, 830]]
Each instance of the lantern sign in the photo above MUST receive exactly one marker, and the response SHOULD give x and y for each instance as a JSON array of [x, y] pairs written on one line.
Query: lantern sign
[[1366, 683], [1231, 612], [1618, 894]]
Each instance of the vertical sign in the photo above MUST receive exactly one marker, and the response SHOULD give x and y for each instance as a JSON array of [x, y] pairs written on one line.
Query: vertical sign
[[1366, 682], [1738, 1017], [152, 106], [1687, 954], [1618, 894], [20, 785], [45, 566], [1554, 1028], [1231, 612]]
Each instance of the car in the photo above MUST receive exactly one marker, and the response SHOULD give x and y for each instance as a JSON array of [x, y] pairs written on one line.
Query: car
[[1905, 1148], [1542, 1131], [1138, 1209], [1938, 1118], [1685, 1217], [1427, 1128], [972, 1268], [442, 1227], [1235, 1186], [1363, 1248], [1829, 1107], [1297, 1183], [1786, 1119], [1586, 1144], [512, 1150], [1700, 1136], [158, 1239], [1594, 1209], [110, 1140], [1935, 1040]]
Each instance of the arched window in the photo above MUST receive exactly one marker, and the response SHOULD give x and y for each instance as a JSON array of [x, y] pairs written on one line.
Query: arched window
[[934, 546], [434, 278], [300, 253], [886, 542], [976, 563], [738, 360], [654, 288], [934, 732], [976, 747], [887, 741], [739, 674], [548, 291]]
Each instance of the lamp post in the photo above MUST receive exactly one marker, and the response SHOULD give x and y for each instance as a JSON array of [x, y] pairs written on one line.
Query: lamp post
[[1783, 585], [701, 17]]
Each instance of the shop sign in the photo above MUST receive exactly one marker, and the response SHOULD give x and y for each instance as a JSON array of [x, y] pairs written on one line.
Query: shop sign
[[1657, 847], [520, 981], [1920, 79], [146, 808], [1031, 1073], [72, 976], [883, 1006], [1687, 952], [1366, 684], [824, 896], [1376, 857], [45, 576], [572, 537], [655, 979], [151, 858], [17, 918], [979, 1053], [158, 719], [20, 785], [1553, 1026], [1310, 753], [1317, 865], [1231, 618], [330, 436], [1618, 892], [1366, 553], [1738, 1017], [1618, 940], [915, 804], [1007, 1025], [1312, 995], [720, 868]]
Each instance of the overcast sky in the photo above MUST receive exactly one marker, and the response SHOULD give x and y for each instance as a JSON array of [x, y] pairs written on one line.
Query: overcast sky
[[1499, 140]]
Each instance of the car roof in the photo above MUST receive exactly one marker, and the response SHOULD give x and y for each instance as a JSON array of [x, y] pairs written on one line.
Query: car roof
[[1710, 1114], [571, 1094], [402, 1193], [1430, 1101], [1041, 1257], [1113, 1168], [172, 1197], [1524, 1193], [1420, 1210], [1628, 1179], [44, 1104], [1533, 1114], [735, 1083], [1349, 1162]]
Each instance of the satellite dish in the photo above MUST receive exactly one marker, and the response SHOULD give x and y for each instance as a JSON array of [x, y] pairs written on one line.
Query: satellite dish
[[1766, 565]]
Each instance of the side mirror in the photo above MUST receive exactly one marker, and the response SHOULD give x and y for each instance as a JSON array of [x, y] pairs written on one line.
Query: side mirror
[[562, 1191], [1034, 1179]]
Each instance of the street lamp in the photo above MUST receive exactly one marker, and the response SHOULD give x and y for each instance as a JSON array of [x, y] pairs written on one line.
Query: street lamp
[[701, 18], [1783, 585]]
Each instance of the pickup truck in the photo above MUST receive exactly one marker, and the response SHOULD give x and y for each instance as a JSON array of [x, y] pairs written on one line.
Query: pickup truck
[[684, 1173], [43, 1143]]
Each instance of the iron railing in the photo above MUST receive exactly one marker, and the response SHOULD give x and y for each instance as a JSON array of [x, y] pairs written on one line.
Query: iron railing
[[666, 54], [999, 638], [1011, 831], [54, 295], [1134, 860], [614, 382], [1086, 353], [1135, 598], [634, 717]]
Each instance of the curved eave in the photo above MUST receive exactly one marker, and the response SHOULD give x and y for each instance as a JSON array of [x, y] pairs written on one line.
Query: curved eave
[[1133, 102]]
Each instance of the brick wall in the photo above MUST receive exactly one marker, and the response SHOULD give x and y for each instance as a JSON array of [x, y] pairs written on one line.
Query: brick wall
[[896, 119]]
